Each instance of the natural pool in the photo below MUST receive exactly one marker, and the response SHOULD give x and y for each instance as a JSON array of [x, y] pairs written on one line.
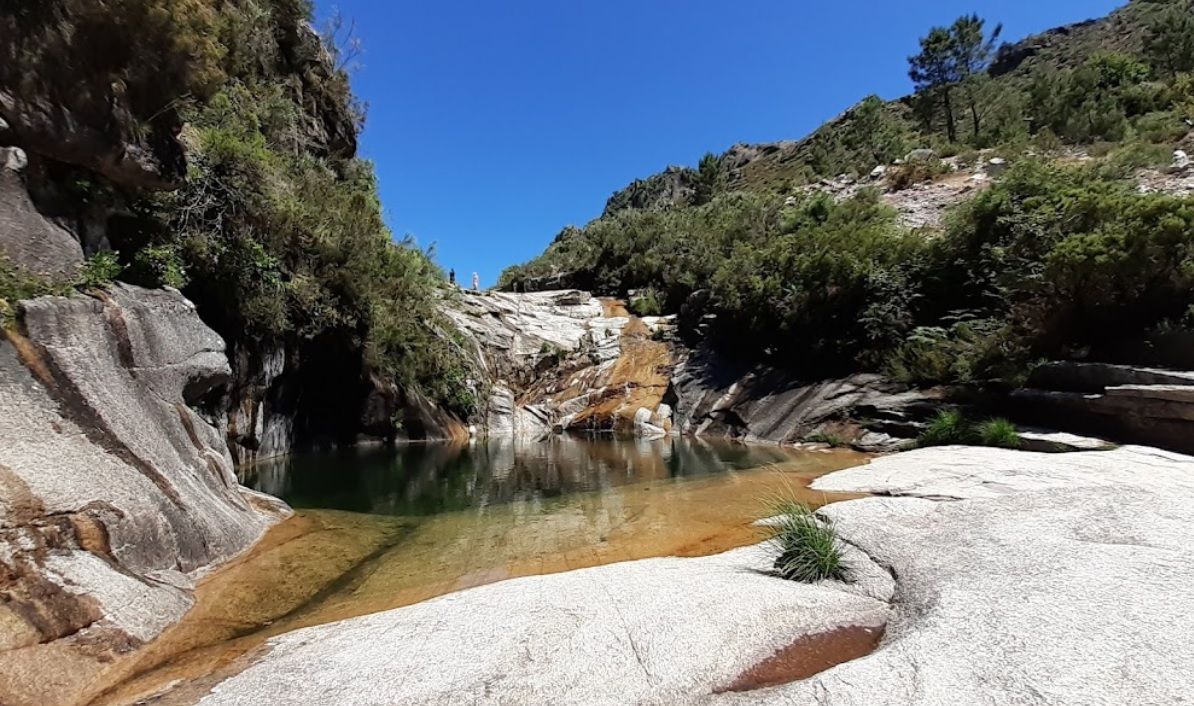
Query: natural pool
[[381, 528]]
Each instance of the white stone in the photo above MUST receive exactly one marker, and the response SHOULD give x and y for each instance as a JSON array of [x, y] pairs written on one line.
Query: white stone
[[13, 158], [1064, 578]]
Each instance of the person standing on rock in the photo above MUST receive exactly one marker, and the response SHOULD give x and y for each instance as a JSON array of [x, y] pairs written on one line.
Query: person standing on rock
[[476, 282], [452, 277]]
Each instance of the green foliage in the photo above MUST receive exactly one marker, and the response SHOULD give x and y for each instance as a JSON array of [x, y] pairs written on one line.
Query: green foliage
[[960, 352], [646, 303], [1000, 433], [1169, 43], [710, 179], [277, 233], [158, 266], [1069, 257], [17, 283], [99, 270], [1097, 100], [950, 64], [948, 428], [807, 545], [869, 134], [951, 428], [834, 440]]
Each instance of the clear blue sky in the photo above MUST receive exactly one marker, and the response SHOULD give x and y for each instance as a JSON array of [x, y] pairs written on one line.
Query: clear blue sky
[[494, 123]]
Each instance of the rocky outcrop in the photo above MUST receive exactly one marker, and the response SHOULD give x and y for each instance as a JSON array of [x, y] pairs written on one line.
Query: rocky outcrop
[[28, 238], [116, 486], [262, 405], [1050, 579], [1124, 403], [564, 360], [716, 397]]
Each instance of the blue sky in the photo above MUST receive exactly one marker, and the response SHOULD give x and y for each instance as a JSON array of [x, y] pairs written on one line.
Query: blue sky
[[494, 123]]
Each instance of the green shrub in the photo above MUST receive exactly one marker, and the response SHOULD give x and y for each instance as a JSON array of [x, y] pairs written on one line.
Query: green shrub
[[948, 428], [998, 432], [158, 266], [807, 546], [951, 428], [99, 270], [646, 303]]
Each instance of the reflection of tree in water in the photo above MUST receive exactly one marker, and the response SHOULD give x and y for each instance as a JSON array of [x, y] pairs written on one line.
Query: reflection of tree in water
[[423, 479]]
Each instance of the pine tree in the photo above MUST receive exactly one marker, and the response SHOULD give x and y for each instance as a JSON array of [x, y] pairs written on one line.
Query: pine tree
[[972, 54], [951, 57], [710, 179], [934, 71]]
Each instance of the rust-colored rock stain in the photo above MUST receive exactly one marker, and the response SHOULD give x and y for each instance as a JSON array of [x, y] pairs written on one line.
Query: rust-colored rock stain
[[809, 656]]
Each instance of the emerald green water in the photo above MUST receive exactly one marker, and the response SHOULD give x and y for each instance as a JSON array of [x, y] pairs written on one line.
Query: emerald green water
[[428, 479]]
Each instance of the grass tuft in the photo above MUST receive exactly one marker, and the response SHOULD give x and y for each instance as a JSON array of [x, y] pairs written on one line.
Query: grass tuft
[[998, 432], [951, 428], [808, 546], [948, 428], [834, 440]]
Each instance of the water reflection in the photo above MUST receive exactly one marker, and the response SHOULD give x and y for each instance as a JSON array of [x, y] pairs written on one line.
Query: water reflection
[[426, 479]]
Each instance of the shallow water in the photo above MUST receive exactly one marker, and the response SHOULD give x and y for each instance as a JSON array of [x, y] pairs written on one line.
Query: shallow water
[[383, 528]]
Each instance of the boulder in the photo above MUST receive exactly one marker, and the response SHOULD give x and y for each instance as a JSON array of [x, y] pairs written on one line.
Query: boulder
[[562, 360], [117, 490], [1181, 161], [922, 154]]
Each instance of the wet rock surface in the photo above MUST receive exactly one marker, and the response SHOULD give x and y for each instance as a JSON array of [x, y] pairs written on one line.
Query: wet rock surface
[[116, 486]]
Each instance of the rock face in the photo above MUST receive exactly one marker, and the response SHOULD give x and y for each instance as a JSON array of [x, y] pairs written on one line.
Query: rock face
[[563, 361], [1146, 405], [715, 397], [116, 486], [28, 238], [1044, 578]]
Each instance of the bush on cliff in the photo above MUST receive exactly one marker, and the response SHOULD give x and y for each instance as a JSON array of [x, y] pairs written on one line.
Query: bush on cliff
[[276, 231]]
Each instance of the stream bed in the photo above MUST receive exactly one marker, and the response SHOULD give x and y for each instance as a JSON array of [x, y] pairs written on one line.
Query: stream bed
[[377, 529]]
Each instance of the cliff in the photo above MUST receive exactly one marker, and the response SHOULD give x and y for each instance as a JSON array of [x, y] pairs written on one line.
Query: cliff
[[118, 490]]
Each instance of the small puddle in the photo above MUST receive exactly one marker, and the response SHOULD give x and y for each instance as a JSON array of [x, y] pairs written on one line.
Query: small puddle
[[808, 656], [382, 530]]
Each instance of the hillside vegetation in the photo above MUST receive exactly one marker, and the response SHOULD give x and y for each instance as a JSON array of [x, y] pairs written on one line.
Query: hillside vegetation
[[210, 145], [1062, 256]]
